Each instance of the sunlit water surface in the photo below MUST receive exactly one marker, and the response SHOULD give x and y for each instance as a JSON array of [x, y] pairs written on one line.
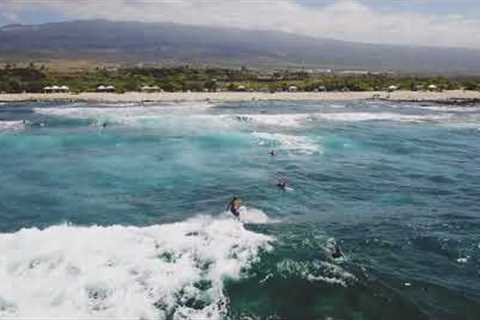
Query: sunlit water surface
[[117, 211]]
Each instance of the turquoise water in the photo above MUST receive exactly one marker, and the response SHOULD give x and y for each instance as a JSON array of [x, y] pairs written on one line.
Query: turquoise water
[[127, 220]]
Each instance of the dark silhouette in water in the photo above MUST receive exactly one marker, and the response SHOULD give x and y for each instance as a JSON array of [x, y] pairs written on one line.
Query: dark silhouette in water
[[337, 253], [234, 206], [272, 153], [282, 184]]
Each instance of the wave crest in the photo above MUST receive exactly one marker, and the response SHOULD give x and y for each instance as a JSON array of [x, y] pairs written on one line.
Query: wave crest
[[163, 271]]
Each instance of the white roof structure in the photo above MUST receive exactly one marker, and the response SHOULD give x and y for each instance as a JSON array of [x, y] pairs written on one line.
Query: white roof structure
[[101, 87], [110, 87], [392, 87], [64, 88], [150, 88], [47, 88], [55, 87], [432, 86]]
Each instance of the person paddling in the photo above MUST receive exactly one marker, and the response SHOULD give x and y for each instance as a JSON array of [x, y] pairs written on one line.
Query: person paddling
[[234, 206], [282, 184]]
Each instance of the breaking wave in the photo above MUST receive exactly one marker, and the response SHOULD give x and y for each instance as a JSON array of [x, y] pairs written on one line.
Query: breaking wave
[[11, 126], [171, 271], [299, 144]]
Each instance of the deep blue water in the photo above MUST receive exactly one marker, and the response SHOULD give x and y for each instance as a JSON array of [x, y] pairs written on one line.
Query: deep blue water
[[396, 186]]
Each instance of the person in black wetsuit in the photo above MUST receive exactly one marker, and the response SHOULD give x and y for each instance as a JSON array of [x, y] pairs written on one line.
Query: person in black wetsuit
[[337, 253], [282, 184], [234, 206]]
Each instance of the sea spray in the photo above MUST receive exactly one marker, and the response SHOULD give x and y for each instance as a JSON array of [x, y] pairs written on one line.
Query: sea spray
[[173, 270]]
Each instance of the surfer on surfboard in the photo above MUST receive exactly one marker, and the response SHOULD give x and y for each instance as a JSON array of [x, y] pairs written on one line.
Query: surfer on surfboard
[[234, 206], [282, 184]]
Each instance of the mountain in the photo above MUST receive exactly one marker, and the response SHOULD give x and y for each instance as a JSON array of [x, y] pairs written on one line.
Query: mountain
[[135, 42]]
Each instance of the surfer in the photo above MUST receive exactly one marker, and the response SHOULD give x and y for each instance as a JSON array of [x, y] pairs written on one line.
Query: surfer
[[337, 253], [234, 206], [282, 184], [334, 249]]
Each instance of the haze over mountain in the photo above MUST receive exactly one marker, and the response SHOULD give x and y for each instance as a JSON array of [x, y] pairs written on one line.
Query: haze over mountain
[[159, 43]]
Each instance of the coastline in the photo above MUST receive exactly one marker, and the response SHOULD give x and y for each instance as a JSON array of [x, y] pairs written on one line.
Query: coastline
[[454, 96]]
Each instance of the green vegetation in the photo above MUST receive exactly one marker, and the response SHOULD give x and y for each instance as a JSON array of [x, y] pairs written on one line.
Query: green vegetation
[[184, 78]]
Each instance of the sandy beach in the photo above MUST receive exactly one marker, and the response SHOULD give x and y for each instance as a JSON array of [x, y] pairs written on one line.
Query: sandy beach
[[420, 96]]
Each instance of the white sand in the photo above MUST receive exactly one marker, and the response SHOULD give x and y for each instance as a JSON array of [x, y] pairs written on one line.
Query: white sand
[[241, 96]]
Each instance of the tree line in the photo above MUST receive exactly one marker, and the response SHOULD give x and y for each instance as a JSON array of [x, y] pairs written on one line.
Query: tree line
[[184, 78]]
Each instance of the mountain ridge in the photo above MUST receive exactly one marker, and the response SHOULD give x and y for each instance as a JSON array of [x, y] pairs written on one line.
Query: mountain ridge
[[157, 43]]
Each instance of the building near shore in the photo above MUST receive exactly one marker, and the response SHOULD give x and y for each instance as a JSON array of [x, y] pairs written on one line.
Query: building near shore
[[292, 89], [150, 89], [102, 88], [56, 89], [64, 89], [432, 87], [392, 88]]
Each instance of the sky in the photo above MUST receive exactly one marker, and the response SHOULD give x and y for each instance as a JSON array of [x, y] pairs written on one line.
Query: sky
[[445, 23]]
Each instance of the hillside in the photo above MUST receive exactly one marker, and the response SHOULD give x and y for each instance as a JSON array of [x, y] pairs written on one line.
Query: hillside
[[161, 43]]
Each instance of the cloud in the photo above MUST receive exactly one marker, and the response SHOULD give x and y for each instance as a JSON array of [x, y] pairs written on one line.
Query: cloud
[[345, 19]]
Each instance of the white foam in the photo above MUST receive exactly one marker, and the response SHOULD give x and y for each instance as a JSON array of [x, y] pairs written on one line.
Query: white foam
[[11, 125], [451, 108], [463, 259], [255, 216], [118, 111], [179, 117], [297, 120], [174, 270], [282, 120], [314, 271], [300, 144], [379, 116]]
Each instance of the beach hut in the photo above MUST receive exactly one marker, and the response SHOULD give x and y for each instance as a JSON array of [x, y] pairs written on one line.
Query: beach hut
[[64, 89], [149, 88], [392, 88], [432, 87], [102, 88], [322, 89], [241, 88], [47, 89], [55, 88], [292, 89]]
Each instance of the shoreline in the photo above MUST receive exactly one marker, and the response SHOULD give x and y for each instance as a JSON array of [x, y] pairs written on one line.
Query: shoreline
[[458, 97]]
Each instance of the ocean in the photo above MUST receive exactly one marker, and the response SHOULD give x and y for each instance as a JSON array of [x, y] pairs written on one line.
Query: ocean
[[118, 211]]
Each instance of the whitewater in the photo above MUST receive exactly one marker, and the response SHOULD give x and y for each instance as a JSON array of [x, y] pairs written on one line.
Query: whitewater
[[118, 211]]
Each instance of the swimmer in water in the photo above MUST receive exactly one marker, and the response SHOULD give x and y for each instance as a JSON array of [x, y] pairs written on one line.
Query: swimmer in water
[[234, 206], [282, 184], [334, 249], [272, 153], [337, 253]]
